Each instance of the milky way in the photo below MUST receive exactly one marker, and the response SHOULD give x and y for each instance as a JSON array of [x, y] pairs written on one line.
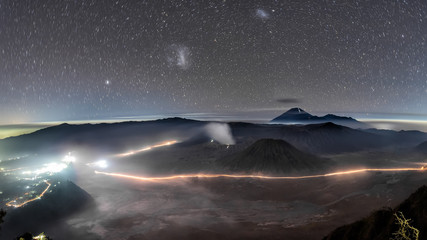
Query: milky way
[[64, 60]]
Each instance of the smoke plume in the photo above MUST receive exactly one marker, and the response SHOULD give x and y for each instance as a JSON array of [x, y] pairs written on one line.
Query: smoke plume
[[220, 132]]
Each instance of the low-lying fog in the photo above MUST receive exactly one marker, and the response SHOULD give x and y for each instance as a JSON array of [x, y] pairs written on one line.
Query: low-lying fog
[[234, 208]]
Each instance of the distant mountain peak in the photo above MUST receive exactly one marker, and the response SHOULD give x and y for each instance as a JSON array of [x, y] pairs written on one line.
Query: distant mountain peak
[[299, 116], [294, 115], [295, 110]]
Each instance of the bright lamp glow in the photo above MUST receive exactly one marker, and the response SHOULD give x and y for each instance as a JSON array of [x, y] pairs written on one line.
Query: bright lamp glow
[[101, 164], [69, 158]]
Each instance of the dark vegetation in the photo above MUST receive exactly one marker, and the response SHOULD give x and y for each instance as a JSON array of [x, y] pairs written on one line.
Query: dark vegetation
[[381, 224], [2, 214], [29, 236]]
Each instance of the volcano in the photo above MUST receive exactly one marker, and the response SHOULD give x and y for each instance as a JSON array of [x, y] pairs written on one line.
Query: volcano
[[273, 156]]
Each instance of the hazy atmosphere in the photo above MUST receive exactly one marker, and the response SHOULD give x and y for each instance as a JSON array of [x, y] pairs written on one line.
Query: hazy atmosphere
[[228, 119]]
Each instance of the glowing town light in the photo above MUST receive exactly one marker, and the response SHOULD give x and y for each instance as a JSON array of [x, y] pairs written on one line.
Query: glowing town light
[[14, 203], [55, 167], [48, 168], [174, 177], [10, 170], [52, 168], [166, 143]]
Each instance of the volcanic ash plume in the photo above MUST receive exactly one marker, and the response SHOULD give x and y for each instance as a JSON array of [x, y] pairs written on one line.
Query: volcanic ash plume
[[220, 132]]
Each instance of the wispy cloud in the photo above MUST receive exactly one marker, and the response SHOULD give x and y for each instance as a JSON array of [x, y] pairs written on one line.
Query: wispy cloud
[[289, 100]]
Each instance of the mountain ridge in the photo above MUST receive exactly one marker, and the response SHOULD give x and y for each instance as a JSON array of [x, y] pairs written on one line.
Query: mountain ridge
[[299, 116], [319, 138]]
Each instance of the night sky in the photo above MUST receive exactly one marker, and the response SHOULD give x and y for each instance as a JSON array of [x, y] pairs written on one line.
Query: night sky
[[82, 60]]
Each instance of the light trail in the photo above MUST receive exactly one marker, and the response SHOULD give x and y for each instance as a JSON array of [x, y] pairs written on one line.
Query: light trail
[[10, 170], [173, 177], [162, 144], [10, 204]]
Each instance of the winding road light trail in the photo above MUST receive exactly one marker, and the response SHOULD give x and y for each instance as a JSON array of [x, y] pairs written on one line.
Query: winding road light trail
[[11, 203], [162, 144], [173, 177]]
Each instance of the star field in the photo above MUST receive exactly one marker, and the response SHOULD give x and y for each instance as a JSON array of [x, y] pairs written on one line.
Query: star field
[[62, 60]]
